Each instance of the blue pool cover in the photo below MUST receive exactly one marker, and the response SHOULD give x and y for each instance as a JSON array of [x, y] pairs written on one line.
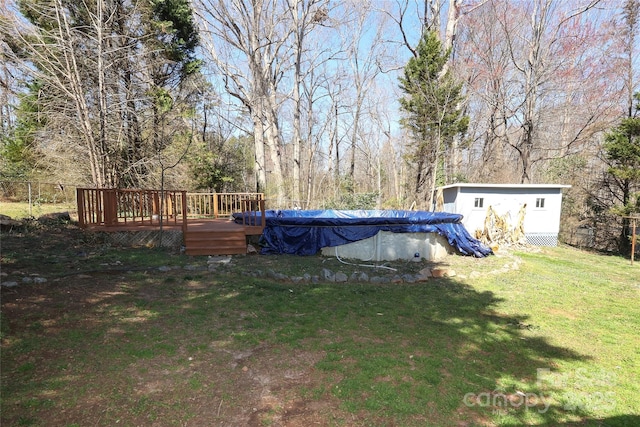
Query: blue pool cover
[[305, 232]]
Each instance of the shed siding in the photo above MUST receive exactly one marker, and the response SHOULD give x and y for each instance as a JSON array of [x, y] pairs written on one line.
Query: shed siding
[[541, 224]]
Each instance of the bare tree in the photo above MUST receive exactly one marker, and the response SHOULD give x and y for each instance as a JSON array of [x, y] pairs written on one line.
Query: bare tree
[[536, 68], [536, 75], [247, 42], [93, 67], [8, 80], [305, 16], [365, 52], [57, 53]]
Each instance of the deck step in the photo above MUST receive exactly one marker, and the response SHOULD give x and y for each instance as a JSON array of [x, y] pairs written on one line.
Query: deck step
[[228, 242]]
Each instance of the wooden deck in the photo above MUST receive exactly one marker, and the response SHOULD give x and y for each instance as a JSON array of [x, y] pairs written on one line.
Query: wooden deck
[[221, 225], [195, 224], [217, 237], [204, 218], [206, 236]]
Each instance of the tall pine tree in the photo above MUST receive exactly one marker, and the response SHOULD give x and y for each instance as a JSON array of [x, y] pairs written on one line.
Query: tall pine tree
[[432, 114], [622, 153]]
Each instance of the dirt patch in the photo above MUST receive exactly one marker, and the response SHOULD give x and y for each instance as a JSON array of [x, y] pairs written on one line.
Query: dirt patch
[[255, 386]]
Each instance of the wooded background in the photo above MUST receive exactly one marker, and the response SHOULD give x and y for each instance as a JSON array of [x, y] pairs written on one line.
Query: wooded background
[[350, 104]]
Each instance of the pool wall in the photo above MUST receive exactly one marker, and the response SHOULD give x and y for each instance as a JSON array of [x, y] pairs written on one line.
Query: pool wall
[[388, 246], [307, 232]]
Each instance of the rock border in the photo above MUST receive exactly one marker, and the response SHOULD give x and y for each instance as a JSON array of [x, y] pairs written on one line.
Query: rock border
[[325, 276]]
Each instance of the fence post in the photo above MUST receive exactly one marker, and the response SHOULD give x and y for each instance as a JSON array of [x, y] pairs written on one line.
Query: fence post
[[29, 189], [633, 239]]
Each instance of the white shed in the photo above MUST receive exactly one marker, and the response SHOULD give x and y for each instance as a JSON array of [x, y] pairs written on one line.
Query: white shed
[[542, 217]]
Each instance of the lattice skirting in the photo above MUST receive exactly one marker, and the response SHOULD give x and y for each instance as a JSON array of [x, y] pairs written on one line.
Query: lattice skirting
[[542, 239], [150, 238]]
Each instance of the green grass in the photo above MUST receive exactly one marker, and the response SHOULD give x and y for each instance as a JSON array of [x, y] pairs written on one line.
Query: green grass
[[19, 210], [560, 332]]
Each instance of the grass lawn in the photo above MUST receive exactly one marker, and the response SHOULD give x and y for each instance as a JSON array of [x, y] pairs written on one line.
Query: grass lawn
[[110, 339], [19, 210]]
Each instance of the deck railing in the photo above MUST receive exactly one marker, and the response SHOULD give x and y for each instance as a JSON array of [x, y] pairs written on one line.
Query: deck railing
[[253, 213], [218, 205], [123, 207]]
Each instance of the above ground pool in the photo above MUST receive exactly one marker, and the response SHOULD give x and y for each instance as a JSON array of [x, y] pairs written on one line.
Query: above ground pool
[[306, 232]]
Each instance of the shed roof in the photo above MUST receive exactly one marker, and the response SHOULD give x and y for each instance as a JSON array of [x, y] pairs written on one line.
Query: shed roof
[[512, 186]]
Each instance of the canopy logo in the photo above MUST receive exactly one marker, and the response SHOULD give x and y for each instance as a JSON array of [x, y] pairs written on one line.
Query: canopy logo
[[504, 401], [581, 389], [578, 390]]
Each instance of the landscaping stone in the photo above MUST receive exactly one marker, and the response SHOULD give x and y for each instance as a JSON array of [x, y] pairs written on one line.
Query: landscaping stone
[[328, 275], [9, 285], [8, 222], [340, 277], [409, 278], [422, 278], [219, 260], [425, 272], [276, 275], [55, 216], [363, 277], [437, 272], [442, 272]]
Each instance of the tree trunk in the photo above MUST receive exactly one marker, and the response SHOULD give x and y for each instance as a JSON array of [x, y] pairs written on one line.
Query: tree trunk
[[272, 140], [77, 92], [258, 143]]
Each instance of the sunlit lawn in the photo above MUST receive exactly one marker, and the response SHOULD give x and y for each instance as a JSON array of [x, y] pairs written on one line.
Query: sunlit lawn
[[555, 342], [19, 210]]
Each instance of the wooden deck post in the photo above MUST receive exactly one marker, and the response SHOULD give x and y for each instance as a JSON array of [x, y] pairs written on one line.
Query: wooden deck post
[[110, 207], [184, 212], [80, 202], [156, 209], [169, 200]]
